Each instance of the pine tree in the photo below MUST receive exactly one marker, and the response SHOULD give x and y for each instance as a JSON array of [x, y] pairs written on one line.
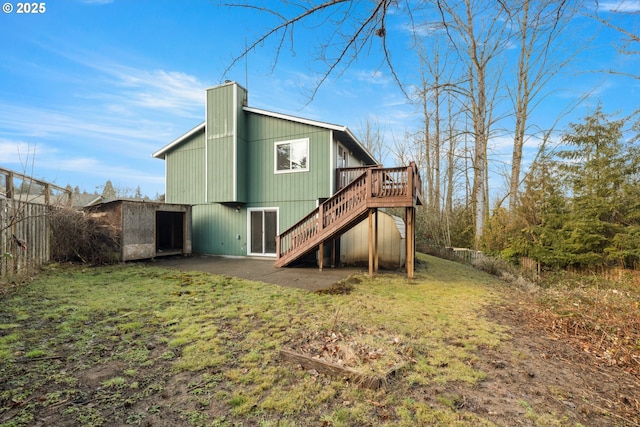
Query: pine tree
[[108, 192], [601, 172], [541, 212], [582, 206]]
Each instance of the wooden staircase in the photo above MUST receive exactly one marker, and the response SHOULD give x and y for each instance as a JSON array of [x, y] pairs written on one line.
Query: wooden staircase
[[373, 188]]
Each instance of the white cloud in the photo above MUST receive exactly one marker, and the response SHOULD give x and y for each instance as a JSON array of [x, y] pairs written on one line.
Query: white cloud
[[372, 77], [620, 6], [62, 167], [35, 124], [21, 154], [106, 171], [172, 91]]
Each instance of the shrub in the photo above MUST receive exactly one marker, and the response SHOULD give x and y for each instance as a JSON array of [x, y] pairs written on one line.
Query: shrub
[[76, 237]]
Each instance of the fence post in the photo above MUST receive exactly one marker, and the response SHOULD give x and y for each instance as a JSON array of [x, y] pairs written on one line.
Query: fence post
[[9, 185]]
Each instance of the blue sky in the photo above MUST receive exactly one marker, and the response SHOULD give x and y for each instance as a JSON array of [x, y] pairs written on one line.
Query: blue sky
[[90, 88]]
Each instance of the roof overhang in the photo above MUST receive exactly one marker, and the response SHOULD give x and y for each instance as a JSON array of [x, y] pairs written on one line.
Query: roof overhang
[[341, 133]]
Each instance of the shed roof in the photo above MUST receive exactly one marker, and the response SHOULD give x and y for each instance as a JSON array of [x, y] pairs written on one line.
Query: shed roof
[[342, 133]]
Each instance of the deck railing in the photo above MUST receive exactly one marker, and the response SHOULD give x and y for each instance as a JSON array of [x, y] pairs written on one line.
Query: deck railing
[[346, 176], [373, 188]]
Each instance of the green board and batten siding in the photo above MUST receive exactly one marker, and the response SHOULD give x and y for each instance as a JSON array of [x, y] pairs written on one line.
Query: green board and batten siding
[[185, 170], [294, 193], [216, 228], [226, 150]]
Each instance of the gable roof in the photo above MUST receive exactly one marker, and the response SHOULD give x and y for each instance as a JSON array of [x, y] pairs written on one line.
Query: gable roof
[[161, 152], [341, 133]]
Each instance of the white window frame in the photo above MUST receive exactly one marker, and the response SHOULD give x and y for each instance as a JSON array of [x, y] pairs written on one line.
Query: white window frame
[[275, 155]]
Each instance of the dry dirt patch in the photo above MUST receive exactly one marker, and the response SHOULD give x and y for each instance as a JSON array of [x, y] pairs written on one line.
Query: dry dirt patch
[[536, 374]]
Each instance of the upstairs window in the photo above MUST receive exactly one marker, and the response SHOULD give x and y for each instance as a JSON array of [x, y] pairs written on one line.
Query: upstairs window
[[292, 156]]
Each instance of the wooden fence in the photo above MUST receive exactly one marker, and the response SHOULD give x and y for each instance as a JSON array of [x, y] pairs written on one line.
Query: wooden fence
[[25, 233], [465, 255]]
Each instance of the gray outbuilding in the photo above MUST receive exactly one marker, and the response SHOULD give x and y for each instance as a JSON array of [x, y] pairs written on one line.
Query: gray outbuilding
[[146, 229]]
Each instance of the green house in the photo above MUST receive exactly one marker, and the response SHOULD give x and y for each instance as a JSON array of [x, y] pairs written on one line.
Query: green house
[[249, 173]]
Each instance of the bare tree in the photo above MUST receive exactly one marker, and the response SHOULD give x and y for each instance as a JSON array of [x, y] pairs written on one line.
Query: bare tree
[[404, 148], [629, 44], [373, 139], [435, 88], [465, 68], [478, 34], [351, 29], [538, 29]]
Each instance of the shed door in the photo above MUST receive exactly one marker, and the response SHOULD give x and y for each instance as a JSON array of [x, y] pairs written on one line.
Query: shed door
[[263, 229], [169, 232]]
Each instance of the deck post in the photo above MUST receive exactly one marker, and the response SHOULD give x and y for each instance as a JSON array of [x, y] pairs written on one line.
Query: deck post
[[375, 243], [410, 184], [321, 255], [410, 218], [333, 253], [370, 242]]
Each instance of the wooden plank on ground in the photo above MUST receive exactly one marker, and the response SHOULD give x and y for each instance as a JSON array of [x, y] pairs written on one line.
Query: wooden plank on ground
[[358, 378]]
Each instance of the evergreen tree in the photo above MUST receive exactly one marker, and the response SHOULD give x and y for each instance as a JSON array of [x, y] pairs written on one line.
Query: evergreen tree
[[600, 169], [541, 212], [583, 208], [108, 192]]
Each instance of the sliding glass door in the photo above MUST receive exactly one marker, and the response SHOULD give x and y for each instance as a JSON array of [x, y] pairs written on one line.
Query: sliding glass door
[[263, 229]]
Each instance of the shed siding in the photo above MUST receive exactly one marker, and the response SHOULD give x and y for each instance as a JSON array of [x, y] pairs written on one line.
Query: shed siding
[[135, 223], [138, 231], [185, 171], [354, 244]]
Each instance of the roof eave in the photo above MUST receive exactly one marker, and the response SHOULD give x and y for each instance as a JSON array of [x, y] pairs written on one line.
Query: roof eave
[[362, 147], [161, 152], [337, 128]]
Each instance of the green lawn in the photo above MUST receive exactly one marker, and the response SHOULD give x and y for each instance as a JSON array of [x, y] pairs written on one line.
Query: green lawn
[[140, 345]]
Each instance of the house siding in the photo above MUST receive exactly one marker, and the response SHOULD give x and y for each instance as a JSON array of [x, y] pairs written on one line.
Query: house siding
[[185, 169], [216, 229], [226, 146], [295, 193]]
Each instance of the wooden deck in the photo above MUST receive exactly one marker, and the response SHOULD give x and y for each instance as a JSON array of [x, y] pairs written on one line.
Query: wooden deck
[[364, 190]]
